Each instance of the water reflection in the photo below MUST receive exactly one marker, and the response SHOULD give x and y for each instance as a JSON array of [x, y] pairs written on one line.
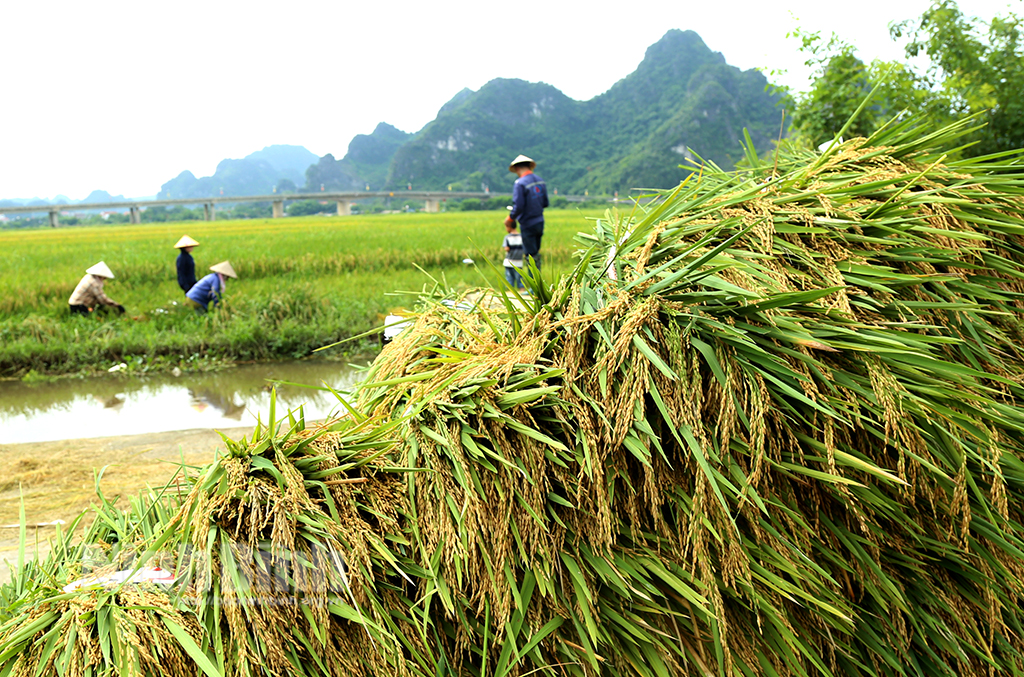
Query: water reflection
[[108, 406], [114, 402], [225, 404]]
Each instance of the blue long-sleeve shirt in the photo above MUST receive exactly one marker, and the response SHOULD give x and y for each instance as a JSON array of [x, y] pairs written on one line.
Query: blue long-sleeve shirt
[[186, 271], [529, 198], [206, 290]]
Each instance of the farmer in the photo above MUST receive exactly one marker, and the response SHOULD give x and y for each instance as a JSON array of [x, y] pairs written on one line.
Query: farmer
[[210, 287], [529, 198], [186, 265], [89, 296]]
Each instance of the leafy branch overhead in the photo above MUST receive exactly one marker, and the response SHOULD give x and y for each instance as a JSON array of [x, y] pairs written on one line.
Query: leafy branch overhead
[[972, 68]]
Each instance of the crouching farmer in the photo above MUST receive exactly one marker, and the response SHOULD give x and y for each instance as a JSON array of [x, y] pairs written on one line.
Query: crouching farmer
[[209, 289], [89, 296]]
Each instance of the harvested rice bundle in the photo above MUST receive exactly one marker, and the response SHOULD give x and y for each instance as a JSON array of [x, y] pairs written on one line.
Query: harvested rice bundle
[[287, 534], [773, 427], [277, 549], [770, 426], [93, 625], [134, 631]]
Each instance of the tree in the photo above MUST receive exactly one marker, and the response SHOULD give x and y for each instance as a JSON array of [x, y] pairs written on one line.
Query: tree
[[968, 74], [309, 207], [842, 82], [979, 68]]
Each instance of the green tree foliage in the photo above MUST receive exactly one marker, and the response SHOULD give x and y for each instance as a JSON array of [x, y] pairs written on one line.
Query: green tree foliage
[[974, 69], [309, 207], [165, 214], [979, 68], [473, 205], [250, 210], [842, 81]]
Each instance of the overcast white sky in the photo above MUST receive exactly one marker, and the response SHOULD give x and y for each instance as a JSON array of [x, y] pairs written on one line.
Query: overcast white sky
[[122, 96]]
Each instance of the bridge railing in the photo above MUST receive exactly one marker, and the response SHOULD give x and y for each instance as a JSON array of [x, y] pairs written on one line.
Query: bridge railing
[[432, 200]]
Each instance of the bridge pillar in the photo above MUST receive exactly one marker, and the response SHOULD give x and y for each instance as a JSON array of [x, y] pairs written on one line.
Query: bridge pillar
[[134, 215], [432, 205], [278, 206], [54, 218], [209, 211], [344, 208]]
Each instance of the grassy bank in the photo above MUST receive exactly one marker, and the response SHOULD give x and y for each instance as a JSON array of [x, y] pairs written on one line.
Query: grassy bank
[[305, 282]]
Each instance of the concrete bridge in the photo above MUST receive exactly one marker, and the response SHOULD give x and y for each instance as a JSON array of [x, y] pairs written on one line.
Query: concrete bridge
[[432, 200]]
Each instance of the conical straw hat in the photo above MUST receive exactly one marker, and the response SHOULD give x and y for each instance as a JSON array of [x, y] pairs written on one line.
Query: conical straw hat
[[224, 268], [102, 270], [520, 160], [186, 241]]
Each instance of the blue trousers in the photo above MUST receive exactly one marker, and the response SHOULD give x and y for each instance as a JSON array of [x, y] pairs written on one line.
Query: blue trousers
[[531, 241], [512, 276]]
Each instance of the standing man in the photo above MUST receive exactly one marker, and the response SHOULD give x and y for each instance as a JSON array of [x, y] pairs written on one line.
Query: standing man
[[186, 265], [529, 198]]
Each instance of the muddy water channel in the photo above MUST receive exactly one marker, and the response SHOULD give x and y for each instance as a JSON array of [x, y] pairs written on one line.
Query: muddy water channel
[[127, 405]]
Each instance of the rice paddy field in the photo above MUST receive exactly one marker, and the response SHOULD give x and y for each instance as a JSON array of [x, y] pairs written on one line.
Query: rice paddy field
[[304, 283]]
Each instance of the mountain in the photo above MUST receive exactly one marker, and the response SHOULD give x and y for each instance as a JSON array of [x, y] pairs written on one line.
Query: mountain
[[232, 177], [95, 197], [682, 101], [100, 196], [256, 174], [290, 162], [366, 163], [371, 154], [24, 202]]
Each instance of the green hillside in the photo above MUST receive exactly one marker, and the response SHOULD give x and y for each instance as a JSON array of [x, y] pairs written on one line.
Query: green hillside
[[366, 163], [682, 101]]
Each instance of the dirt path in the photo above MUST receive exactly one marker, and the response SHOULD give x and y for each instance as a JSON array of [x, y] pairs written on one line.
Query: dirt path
[[58, 479]]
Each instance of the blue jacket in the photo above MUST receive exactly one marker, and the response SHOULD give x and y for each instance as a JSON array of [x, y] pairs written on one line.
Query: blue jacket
[[529, 198], [206, 290], [186, 271]]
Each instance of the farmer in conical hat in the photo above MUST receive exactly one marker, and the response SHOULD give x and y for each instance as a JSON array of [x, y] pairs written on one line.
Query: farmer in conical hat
[[186, 265], [210, 287], [529, 198], [88, 295]]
